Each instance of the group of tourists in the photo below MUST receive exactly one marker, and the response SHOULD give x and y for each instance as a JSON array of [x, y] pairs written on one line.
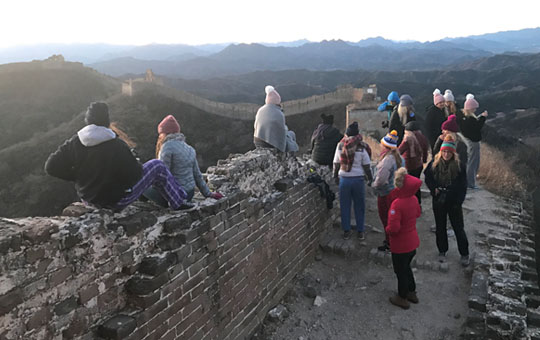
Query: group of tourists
[[452, 137], [106, 173]]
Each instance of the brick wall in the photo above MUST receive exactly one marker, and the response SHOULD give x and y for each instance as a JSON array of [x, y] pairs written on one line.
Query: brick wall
[[211, 273]]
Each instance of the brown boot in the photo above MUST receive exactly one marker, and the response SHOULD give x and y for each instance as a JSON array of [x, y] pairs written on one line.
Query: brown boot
[[411, 296], [400, 302]]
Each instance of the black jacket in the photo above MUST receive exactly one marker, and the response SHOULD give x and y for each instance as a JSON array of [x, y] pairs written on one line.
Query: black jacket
[[471, 127], [323, 150], [396, 124], [455, 192], [102, 173], [434, 119]]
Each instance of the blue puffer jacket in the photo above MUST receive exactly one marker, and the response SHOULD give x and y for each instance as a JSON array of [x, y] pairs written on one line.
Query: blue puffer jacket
[[181, 159]]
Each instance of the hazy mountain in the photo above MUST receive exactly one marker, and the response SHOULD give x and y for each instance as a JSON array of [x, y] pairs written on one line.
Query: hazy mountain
[[325, 56], [525, 40], [156, 52]]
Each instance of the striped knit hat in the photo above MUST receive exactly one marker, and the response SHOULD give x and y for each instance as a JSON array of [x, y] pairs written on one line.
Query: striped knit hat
[[448, 144], [390, 140]]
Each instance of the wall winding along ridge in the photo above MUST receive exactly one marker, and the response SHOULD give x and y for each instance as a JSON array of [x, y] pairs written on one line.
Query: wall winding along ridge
[[211, 273]]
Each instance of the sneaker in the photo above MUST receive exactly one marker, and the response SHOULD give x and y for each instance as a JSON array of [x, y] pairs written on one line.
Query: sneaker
[[347, 235], [397, 300], [465, 261], [361, 235], [442, 257], [385, 246], [412, 297], [187, 206]]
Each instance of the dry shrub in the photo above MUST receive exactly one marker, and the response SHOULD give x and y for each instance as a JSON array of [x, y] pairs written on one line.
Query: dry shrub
[[496, 173]]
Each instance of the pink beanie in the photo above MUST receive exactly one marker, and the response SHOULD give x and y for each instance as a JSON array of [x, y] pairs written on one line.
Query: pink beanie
[[437, 97], [168, 125], [470, 102], [272, 97], [450, 124]]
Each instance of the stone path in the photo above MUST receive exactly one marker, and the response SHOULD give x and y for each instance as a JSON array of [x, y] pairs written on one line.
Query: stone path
[[352, 281]]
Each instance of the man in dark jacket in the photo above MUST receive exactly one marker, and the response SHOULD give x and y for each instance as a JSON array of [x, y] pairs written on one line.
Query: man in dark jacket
[[324, 141], [105, 172]]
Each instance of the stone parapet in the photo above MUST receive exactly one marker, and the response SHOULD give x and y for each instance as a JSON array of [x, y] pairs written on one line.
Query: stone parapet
[[210, 273]]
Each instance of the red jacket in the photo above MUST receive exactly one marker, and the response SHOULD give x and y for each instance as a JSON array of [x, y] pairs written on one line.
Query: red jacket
[[402, 216]]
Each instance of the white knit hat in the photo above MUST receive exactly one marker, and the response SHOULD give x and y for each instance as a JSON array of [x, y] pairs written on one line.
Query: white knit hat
[[449, 96]]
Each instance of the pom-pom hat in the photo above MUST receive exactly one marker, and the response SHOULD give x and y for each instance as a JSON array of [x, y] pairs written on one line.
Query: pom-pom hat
[[168, 125], [470, 102], [390, 140], [450, 124], [437, 97], [449, 96], [449, 144], [272, 96]]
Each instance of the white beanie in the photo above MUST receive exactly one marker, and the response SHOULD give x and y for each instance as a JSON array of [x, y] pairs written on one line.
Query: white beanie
[[272, 96], [448, 96]]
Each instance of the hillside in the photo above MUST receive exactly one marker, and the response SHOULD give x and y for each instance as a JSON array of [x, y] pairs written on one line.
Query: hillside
[[35, 97]]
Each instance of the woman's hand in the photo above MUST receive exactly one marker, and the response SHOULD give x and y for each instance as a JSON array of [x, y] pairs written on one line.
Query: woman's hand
[[485, 114]]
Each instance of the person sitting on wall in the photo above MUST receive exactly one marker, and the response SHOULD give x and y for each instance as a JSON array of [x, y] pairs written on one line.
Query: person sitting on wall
[[105, 172], [181, 159], [270, 130], [391, 102], [324, 141]]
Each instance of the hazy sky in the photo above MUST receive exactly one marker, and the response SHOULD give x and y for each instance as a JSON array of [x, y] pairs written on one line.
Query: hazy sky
[[215, 21]]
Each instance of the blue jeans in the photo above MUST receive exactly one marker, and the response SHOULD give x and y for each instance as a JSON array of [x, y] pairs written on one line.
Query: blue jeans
[[352, 190]]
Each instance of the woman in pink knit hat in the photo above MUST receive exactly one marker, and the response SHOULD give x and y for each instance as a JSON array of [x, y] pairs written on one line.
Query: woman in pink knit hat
[[471, 131], [181, 159]]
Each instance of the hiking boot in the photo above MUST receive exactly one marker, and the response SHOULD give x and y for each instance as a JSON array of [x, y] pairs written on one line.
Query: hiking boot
[[411, 296], [465, 261], [397, 300], [347, 235], [385, 246], [361, 235], [442, 257]]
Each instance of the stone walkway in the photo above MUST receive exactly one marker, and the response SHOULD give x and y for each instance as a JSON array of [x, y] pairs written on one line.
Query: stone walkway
[[344, 294]]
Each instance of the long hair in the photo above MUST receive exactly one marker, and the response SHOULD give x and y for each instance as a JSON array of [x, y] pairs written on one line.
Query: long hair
[[395, 153], [438, 157], [159, 143], [451, 110], [122, 135], [469, 113]]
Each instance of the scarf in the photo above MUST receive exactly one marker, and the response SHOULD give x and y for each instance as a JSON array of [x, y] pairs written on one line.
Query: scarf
[[349, 146], [318, 134], [414, 146], [445, 172]]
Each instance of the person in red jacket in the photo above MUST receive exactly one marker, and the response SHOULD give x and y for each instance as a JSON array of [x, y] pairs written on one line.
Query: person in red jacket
[[404, 240]]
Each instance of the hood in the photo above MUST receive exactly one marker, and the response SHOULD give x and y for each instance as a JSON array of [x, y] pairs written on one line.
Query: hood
[[92, 135], [410, 186], [175, 136]]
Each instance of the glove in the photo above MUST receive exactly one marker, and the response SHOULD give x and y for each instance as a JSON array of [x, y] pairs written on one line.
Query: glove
[[384, 124], [216, 195]]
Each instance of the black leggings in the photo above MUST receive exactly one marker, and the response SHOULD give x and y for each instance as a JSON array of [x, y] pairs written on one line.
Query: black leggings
[[455, 213], [404, 273]]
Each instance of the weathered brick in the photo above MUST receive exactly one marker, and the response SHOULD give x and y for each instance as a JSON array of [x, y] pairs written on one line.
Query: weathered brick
[[39, 318], [78, 326], [66, 306], [59, 276], [10, 300], [155, 265], [34, 254], [117, 327], [144, 286], [135, 223], [176, 224], [39, 232], [87, 293]]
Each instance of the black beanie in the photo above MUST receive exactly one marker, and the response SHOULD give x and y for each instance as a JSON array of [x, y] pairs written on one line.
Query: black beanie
[[98, 114], [327, 119], [412, 126], [352, 130]]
